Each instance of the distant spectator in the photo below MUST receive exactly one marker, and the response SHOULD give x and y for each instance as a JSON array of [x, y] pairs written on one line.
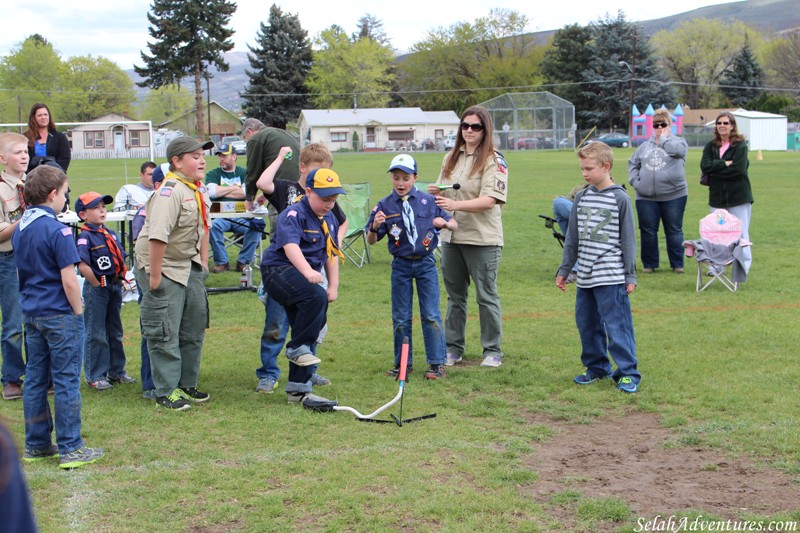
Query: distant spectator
[[44, 140], [135, 195]]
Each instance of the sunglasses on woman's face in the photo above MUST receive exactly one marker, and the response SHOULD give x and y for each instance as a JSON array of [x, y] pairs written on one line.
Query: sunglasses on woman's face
[[723, 123], [474, 127], [659, 125]]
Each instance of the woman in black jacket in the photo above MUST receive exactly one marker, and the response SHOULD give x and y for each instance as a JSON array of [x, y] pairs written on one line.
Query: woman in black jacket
[[44, 140]]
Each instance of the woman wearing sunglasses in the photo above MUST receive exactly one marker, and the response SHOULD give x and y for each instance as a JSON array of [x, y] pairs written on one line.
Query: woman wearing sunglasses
[[725, 161], [657, 171], [473, 251]]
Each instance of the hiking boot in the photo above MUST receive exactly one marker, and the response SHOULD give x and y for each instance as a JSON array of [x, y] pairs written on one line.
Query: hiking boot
[[240, 266], [83, 456], [319, 381], [435, 372], [175, 401], [266, 385], [149, 394], [219, 269], [124, 379], [311, 401], [194, 395], [12, 391], [395, 372], [31, 456], [627, 384], [491, 361], [306, 359], [587, 378], [100, 384], [452, 359]]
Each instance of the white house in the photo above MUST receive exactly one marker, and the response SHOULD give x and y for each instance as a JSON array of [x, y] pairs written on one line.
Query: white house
[[110, 136], [402, 128], [763, 131]]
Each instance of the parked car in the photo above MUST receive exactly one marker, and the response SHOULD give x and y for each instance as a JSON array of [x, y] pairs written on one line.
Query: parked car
[[239, 146], [616, 140], [531, 143], [450, 141]]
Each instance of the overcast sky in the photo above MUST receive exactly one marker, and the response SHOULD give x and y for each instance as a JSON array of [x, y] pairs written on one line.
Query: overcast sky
[[118, 29]]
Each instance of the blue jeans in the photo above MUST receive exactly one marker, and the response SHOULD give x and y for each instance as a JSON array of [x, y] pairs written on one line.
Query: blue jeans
[[103, 352], [670, 213], [562, 207], [605, 325], [251, 227], [306, 305], [13, 364], [55, 346], [404, 272]]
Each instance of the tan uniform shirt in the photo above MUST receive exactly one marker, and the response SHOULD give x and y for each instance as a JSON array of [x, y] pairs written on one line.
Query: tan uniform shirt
[[10, 210], [484, 228], [173, 217]]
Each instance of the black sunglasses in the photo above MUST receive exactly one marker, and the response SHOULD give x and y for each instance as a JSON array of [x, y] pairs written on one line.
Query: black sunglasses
[[659, 125], [723, 123], [474, 127]]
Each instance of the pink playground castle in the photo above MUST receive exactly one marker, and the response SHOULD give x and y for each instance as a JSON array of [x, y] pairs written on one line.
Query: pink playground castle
[[642, 124]]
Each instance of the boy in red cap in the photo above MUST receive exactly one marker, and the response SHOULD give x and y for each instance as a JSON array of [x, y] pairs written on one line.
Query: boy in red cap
[[103, 267]]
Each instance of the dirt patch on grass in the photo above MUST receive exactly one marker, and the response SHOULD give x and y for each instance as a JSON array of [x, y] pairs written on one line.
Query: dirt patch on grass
[[634, 458]]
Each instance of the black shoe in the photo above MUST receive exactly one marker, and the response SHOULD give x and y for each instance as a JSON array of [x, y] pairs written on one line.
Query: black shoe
[[193, 395], [395, 372], [312, 401], [435, 372], [174, 401]]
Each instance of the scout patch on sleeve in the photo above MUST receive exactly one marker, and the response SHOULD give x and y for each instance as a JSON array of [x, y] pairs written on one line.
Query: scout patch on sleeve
[[291, 213], [165, 192], [82, 242], [502, 166], [66, 232]]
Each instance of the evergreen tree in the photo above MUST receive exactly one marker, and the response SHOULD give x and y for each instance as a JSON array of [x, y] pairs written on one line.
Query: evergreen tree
[[371, 27], [741, 83], [617, 44], [189, 36], [280, 62], [568, 56]]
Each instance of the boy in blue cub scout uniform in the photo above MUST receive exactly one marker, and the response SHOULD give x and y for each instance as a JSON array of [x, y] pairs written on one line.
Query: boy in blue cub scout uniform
[[103, 267], [51, 307], [412, 221], [305, 239]]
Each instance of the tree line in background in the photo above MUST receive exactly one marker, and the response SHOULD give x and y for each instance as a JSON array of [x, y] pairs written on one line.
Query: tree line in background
[[704, 63]]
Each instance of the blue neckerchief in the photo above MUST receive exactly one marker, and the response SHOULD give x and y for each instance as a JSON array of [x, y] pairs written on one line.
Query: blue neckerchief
[[32, 213]]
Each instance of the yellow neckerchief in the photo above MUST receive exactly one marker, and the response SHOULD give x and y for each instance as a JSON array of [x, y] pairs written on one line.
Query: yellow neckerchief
[[330, 247], [201, 205]]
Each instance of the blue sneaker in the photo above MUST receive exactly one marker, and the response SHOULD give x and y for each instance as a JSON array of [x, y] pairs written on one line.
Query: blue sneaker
[[627, 385], [587, 377]]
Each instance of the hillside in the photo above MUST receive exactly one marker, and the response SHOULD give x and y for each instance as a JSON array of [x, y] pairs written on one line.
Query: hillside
[[763, 15]]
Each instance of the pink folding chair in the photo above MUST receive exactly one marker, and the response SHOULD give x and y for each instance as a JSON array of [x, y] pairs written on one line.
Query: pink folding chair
[[719, 247]]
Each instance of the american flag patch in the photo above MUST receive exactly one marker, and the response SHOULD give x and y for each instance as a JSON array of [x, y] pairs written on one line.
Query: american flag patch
[[165, 192], [291, 213], [82, 242], [66, 232]]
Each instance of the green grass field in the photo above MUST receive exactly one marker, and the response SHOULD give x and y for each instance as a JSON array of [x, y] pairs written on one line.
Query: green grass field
[[720, 368]]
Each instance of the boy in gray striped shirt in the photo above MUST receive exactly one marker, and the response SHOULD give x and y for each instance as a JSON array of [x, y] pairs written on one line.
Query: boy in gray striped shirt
[[601, 238]]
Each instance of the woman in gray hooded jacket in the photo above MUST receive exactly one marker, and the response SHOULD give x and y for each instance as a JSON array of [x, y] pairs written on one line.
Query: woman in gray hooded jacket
[[657, 171]]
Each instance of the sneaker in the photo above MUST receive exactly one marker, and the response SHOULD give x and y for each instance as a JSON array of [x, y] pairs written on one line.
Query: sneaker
[[311, 401], [100, 384], [266, 385], [31, 456], [395, 372], [492, 361], [83, 456], [306, 359], [627, 385], [435, 372], [452, 359], [174, 401], [192, 394], [648, 270], [587, 378], [12, 391], [124, 379], [679, 270], [149, 394], [319, 381]]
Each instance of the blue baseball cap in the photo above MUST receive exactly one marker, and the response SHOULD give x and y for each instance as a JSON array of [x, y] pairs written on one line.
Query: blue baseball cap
[[325, 182]]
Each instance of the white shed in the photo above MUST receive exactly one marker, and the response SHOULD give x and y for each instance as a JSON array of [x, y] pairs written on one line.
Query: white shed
[[763, 131], [401, 128]]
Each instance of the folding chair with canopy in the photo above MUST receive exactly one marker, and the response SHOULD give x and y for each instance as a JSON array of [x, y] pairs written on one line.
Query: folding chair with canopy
[[356, 206], [720, 246]]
